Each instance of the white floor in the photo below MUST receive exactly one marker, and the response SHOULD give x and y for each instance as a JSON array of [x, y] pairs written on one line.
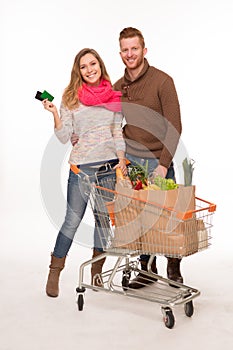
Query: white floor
[[31, 321]]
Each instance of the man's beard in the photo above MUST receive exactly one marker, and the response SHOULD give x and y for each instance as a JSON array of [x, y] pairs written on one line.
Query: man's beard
[[138, 62]]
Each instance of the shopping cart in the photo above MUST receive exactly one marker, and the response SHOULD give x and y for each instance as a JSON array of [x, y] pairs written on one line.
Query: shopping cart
[[128, 227]]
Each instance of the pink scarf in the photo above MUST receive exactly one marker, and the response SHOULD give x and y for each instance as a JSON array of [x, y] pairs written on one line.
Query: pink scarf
[[101, 95]]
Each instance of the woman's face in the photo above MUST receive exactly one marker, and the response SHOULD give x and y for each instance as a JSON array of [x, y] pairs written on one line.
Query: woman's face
[[90, 69]]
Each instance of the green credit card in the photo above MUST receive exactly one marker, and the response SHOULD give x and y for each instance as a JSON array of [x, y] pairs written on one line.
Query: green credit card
[[47, 95]]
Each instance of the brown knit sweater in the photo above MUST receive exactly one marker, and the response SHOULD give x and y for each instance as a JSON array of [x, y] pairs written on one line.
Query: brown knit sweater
[[151, 109]]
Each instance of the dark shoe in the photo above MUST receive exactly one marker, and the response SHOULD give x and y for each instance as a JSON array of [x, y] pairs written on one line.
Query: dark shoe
[[142, 280], [173, 270]]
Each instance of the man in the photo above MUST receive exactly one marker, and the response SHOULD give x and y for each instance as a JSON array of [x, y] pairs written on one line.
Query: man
[[153, 124]]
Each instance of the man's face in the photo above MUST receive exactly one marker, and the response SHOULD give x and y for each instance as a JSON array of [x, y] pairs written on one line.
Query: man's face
[[132, 53]]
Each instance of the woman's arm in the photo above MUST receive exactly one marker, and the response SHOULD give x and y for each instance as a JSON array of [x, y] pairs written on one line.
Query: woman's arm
[[122, 162], [119, 142], [53, 109], [63, 121]]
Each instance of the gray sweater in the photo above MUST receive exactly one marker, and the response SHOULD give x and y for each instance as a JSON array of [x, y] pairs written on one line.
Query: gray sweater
[[99, 131]]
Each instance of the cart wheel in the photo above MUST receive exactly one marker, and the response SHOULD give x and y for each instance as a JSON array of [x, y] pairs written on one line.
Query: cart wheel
[[168, 318], [125, 283], [125, 280], [188, 308], [80, 302]]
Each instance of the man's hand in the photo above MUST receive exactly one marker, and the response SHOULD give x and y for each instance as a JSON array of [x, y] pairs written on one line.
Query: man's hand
[[74, 139], [161, 171]]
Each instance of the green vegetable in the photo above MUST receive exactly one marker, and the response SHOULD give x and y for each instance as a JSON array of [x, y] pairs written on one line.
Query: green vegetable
[[165, 184]]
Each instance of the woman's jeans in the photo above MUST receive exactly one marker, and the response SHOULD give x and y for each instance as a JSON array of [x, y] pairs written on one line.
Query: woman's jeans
[[77, 199], [152, 164]]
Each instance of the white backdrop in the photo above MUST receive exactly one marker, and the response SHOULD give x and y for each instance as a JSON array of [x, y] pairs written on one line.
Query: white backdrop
[[190, 40]]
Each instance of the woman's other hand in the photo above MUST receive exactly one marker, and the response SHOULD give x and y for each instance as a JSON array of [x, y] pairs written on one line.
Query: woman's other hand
[[122, 166]]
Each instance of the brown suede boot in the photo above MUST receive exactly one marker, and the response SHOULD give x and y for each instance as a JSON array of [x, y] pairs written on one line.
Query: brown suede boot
[[173, 270], [56, 266], [96, 268], [141, 280]]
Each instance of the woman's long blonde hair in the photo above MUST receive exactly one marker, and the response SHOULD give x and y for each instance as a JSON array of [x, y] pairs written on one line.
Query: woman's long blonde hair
[[70, 95]]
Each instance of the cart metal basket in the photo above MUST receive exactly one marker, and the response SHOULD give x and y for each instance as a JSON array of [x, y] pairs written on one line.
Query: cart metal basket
[[128, 226]]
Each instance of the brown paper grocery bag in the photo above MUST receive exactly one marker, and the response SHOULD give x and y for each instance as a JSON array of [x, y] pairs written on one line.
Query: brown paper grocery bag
[[162, 207], [162, 229], [203, 235], [181, 241], [180, 199], [147, 220], [127, 210]]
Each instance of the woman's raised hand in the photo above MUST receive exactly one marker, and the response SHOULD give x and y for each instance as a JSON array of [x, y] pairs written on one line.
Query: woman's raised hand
[[49, 106]]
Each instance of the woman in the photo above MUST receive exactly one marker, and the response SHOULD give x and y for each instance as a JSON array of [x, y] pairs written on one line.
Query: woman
[[92, 110]]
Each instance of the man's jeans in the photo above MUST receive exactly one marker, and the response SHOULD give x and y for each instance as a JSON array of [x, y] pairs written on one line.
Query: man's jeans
[[152, 164], [77, 200]]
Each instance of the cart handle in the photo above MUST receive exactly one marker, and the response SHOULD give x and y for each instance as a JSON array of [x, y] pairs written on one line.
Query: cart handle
[[189, 214]]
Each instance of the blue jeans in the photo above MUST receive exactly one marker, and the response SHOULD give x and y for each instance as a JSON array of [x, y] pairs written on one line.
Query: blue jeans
[[152, 164], [77, 199]]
